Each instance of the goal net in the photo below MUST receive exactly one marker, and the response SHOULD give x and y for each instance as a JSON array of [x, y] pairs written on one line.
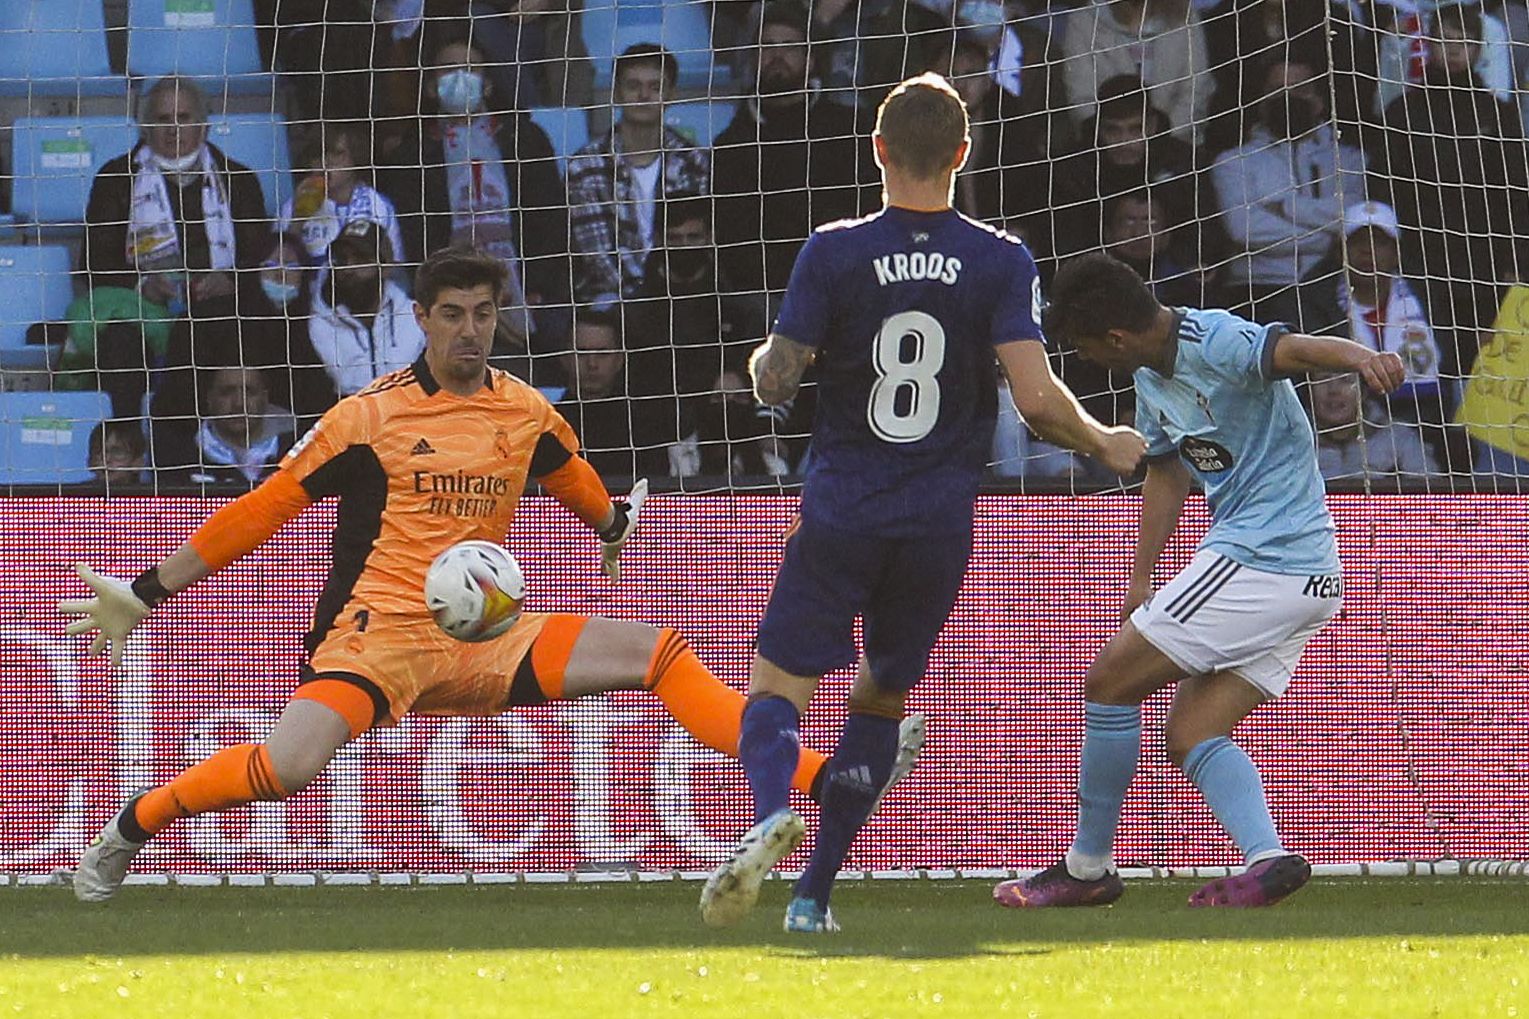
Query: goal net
[[212, 213]]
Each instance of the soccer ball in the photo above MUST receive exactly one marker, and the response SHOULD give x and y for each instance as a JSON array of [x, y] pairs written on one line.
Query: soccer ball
[[474, 590]]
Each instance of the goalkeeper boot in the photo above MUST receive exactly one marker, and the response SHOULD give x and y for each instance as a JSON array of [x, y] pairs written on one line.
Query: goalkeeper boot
[[1055, 886], [910, 746], [733, 888], [1263, 884], [105, 861], [805, 916]]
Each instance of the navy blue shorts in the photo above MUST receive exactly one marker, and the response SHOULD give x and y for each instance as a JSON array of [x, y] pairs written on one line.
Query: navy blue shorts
[[903, 587]]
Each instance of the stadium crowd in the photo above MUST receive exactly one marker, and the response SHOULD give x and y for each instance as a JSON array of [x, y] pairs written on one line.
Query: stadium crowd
[[1350, 168]]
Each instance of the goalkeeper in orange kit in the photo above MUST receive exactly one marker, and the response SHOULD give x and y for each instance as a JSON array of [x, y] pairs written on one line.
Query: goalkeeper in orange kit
[[421, 459]]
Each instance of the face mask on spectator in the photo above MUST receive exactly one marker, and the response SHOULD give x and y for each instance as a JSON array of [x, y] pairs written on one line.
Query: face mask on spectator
[[280, 294], [460, 91]]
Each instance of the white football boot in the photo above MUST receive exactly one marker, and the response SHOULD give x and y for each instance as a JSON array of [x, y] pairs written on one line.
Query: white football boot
[[910, 746], [733, 888], [105, 861]]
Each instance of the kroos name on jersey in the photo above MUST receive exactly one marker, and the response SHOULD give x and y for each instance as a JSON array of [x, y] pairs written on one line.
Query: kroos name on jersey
[[918, 265]]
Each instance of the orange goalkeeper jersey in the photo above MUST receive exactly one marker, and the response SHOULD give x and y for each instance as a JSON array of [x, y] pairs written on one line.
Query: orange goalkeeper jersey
[[417, 469]]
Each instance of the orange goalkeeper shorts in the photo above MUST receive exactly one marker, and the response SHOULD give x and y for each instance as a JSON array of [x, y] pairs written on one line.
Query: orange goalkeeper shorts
[[407, 664]]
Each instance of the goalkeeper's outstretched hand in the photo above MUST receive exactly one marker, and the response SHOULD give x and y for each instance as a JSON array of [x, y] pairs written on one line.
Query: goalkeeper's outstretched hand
[[626, 518], [112, 613]]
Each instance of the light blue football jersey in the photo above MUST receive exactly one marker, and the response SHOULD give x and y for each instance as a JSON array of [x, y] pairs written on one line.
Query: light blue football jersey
[[1244, 436]]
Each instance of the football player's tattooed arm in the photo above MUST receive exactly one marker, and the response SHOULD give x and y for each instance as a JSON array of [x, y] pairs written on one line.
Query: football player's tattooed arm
[[777, 366], [1296, 353]]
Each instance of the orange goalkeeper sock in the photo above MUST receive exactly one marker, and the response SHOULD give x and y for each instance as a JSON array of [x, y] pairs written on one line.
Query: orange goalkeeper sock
[[708, 708], [231, 777]]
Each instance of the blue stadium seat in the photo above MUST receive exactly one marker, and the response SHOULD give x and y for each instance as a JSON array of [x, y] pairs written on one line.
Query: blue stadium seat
[[45, 437], [680, 26], [34, 287], [259, 141], [566, 126], [211, 40], [701, 119], [55, 159], [53, 48]]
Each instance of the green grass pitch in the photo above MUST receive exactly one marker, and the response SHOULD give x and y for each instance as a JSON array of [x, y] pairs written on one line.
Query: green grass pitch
[[1451, 948]]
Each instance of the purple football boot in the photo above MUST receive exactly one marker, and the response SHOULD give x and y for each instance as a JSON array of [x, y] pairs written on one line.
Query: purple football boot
[[1263, 884], [1055, 887]]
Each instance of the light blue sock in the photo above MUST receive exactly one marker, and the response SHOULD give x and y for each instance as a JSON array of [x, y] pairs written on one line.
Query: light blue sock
[[1230, 784], [1111, 747]]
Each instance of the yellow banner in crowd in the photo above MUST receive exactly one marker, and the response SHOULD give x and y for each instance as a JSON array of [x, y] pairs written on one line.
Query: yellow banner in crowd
[[1496, 405]]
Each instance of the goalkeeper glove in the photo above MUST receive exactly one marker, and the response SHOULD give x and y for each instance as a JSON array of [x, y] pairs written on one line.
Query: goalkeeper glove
[[116, 609], [621, 528]]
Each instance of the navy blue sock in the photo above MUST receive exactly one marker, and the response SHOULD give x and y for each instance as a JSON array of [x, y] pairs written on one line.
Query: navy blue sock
[[768, 746], [856, 774]]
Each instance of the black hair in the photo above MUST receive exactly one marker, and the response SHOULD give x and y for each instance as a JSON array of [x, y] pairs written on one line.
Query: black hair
[[459, 267], [645, 53], [1095, 293]]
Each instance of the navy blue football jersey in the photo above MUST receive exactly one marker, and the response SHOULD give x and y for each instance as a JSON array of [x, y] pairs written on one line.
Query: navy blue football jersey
[[904, 309]]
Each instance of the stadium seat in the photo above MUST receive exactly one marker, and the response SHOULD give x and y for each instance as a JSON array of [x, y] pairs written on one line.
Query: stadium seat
[[55, 159], [259, 141], [52, 48], [45, 437], [681, 27], [210, 40], [566, 126], [701, 119], [34, 287]]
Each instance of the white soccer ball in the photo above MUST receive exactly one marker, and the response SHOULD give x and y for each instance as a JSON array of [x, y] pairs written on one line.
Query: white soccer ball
[[474, 590]]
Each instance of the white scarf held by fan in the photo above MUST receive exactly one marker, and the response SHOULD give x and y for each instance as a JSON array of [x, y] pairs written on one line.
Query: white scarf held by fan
[[152, 240], [1404, 331]]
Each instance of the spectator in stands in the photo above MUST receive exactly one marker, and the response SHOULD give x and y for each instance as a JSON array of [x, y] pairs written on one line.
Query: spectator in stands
[[266, 326], [724, 433], [1372, 303], [787, 163], [617, 434], [1242, 35], [1453, 157], [1139, 230], [1162, 42], [117, 453], [337, 193], [996, 151], [1369, 446], [1124, 149], [1282, 195], [174, 217], [616, 182], [482, 175], [362, 324], [240, 437], [167, 225], [690, 321], [865, 47]]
